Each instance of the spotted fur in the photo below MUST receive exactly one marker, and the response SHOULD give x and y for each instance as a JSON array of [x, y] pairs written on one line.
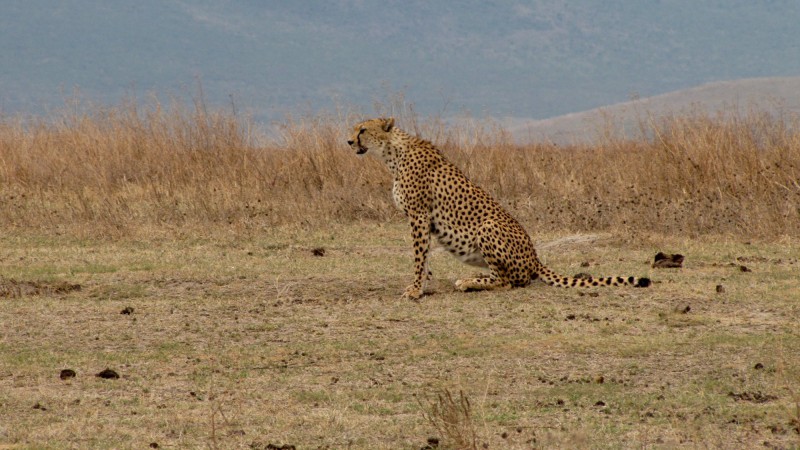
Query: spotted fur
[[440, 201]]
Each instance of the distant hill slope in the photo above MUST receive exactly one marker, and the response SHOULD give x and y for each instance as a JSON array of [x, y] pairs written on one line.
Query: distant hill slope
[[775, 95]]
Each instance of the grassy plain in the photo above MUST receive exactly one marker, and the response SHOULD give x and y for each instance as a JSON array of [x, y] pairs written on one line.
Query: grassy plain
[[242, 343], [260, 286]]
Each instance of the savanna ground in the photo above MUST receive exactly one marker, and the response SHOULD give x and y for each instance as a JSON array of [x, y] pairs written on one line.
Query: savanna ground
[[246, 290]]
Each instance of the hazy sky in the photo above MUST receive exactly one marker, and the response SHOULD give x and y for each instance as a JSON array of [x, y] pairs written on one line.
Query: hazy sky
[[533, 59]]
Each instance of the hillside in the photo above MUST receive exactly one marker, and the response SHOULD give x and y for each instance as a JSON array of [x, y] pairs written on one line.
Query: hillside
[[777, 96]]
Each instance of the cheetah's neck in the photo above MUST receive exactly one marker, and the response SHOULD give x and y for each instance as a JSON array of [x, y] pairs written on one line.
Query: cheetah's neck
[[400, 147]]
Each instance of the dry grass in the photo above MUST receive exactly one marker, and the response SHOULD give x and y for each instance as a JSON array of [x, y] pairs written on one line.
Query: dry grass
[[120, 170]]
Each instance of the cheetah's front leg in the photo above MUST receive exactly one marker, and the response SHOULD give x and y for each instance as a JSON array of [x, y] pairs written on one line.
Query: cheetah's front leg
[[420, 233]]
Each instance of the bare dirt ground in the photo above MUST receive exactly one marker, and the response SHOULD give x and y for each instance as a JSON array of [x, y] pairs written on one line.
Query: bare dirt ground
[[299, 338]]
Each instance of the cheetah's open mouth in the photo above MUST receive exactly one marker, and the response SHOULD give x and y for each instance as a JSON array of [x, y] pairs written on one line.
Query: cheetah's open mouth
[[360, 149]]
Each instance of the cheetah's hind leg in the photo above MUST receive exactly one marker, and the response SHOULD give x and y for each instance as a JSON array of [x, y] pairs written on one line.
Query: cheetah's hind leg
[[484, 282], [498, 277]]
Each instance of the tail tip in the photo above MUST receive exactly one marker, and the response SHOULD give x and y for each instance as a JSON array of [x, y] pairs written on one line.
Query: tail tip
[[643, 282]]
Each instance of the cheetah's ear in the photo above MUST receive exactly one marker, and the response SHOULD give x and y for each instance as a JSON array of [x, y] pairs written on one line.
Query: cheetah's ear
[[388, 124]]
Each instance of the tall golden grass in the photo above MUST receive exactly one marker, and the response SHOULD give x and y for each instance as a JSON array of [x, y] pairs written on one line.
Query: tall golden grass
[[112, 171]]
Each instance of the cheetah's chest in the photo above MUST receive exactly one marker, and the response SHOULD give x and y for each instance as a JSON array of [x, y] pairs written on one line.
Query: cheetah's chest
[[398, 195]]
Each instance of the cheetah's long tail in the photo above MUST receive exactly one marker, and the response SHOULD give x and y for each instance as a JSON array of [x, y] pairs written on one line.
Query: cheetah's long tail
[[553, 279]]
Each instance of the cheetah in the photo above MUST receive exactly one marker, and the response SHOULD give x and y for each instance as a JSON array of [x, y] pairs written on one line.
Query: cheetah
[[440, 201]]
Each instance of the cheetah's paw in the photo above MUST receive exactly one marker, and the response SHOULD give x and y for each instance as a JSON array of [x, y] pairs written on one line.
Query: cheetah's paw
[[412, 293]]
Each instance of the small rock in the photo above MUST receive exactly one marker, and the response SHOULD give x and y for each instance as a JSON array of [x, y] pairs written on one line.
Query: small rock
[[599, 379], [570, 316], [66, 374], [720, 289], [777, 429], [154, 445], [744, 269], [667, 261], [600, 403], [319, 251], [127, 311], [432, 444], [108, 374], [758, 366]]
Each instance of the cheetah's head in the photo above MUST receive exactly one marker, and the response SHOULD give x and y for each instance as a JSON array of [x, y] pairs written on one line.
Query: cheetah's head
[[370, 134]]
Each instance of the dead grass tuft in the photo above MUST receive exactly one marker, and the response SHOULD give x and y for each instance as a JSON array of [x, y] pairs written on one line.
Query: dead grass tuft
[[452, 419]]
